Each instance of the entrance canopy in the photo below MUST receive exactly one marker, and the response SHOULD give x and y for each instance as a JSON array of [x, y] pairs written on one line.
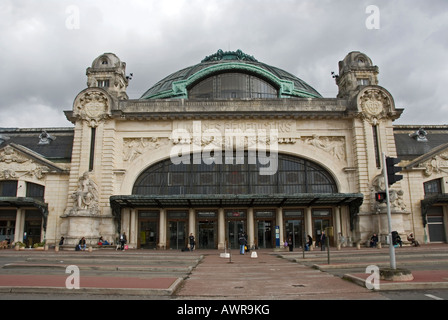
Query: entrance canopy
[[236, 200], [26, 202], [352, 200]]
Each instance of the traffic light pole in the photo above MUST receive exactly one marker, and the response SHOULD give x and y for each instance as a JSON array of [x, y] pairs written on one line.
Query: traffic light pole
[[393, 264]]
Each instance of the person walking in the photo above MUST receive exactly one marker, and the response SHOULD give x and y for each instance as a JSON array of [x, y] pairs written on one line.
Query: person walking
[[290, 243], [242, 242], [323, 238], [310, 243], [192, 241]]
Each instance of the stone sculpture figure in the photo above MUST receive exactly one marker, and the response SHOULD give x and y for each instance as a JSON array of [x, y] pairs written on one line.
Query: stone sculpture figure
[[86, 196]]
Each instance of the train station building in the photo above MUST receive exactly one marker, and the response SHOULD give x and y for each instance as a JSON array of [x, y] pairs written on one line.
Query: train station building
[[227, 145]]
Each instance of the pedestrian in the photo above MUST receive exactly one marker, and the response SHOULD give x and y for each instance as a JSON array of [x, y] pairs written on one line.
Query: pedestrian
[[82, 244], [310, 243], [290, 243], [242, 242], [123, 240], [323, 238], [192, 241], [373, 240]]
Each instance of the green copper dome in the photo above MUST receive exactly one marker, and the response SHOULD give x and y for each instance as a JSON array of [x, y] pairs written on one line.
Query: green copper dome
[[178, 84]]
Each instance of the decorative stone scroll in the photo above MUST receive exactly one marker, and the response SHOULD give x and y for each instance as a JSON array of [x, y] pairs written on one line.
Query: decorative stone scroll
[[375, 105], [92, 106]]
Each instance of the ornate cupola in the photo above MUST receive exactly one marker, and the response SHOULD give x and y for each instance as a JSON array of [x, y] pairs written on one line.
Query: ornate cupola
[[355, 72], [109, 73]]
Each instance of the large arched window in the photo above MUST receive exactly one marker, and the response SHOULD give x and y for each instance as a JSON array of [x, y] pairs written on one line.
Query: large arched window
[[232, 86], [294, 175]]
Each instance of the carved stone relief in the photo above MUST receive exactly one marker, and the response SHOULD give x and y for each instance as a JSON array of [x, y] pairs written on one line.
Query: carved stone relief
[[396, 196], [135, 147], [436, 164], [375, 105], [14, 165], [85, 197], [333, 145], [93, 107]]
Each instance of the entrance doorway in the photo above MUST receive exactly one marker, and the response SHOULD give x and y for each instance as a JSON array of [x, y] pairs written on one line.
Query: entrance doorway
[[264, 224], [148, 226], [321, 220], [177, 229], [436, 226], [294, 226], [264, 228], [207, 230], [236, 223], [33, 227], [294, 229], [177, 234]]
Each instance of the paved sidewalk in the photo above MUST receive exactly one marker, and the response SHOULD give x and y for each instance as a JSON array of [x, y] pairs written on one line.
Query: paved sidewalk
[[428, 264], [203, 274], [267, 277]]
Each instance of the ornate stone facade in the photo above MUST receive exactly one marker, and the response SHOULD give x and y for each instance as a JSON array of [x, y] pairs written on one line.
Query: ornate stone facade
[[118, 147]]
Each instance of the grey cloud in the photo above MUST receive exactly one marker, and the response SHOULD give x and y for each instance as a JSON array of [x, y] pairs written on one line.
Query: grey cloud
[[44, 63]]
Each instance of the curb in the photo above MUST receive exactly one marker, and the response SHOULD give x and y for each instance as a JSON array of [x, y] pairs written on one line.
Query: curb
[[398, 285], [101, 291]]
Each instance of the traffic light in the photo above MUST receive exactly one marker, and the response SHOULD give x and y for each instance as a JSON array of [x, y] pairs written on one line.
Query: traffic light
[[380, 196], [392, 177]]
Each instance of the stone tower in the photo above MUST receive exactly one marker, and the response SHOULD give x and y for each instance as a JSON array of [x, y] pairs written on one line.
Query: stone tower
[[355, 72], [109, 73]]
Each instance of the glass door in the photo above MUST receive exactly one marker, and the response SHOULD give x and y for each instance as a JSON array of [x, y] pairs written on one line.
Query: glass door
[[436, 225], [148, 234], [234, 228], [294, 229], [206, 235], [321, 220], [264, 233], [236, 223], [177, 234], [207, 229]]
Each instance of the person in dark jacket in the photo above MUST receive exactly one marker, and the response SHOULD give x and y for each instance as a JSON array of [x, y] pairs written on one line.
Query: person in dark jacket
[[242, 241]]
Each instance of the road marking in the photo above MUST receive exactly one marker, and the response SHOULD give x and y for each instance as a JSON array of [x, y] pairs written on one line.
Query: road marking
[[433, 297]]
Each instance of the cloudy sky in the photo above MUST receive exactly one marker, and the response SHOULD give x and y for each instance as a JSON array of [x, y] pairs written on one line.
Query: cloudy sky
[[46, 46]]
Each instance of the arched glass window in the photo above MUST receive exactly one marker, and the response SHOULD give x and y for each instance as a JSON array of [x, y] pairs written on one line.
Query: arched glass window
[[294, 175], [232, 86]]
